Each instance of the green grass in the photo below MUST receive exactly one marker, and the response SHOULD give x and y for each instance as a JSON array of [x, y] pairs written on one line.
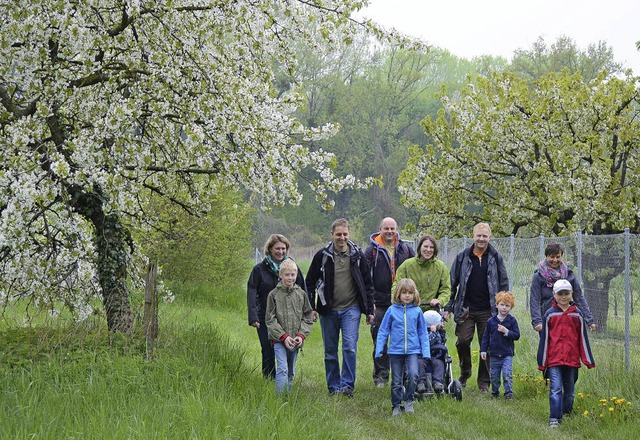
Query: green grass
[[80, 382]]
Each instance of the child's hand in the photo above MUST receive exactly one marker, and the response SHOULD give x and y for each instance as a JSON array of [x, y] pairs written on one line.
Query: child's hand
[[483, 355], [290, 343], [434, 328]]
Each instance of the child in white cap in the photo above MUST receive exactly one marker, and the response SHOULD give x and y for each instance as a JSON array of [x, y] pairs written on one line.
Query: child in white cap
[[563, 344]]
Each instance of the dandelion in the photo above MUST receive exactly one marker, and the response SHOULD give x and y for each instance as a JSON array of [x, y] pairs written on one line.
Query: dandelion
[[610, 409], [585, 413]]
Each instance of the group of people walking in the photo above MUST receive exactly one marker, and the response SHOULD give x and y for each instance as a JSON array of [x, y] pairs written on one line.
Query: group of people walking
[[392, 286]]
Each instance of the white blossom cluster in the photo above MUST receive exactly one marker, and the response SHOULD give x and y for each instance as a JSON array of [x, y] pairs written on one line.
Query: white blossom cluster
[[555, 156], [123, 97]]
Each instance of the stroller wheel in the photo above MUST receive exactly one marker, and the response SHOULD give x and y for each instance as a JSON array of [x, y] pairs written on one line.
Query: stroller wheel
[[456, 390]]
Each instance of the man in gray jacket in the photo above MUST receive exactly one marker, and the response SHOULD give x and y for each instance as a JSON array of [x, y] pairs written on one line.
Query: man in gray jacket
[[477, 274]]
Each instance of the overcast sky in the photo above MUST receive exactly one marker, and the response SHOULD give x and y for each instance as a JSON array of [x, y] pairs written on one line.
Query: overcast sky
[[469, 28]]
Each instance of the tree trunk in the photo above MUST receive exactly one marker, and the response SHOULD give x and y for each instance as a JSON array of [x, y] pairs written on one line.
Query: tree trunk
[[596, 283], [112, 270], [112, 256]]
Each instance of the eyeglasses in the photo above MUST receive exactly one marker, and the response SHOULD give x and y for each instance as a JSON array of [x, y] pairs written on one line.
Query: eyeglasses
[[564, 293]]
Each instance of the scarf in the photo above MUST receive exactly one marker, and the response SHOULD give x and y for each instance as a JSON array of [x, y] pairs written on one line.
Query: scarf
[[275, 267], [552, 275]]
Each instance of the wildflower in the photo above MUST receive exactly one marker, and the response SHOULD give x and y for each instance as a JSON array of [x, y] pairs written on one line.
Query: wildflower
[[586, 413], [610, 409]]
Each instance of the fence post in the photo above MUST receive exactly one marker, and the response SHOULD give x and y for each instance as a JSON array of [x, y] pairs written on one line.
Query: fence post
[[541, 247], [627, 300], [150, 316], [446, 247], [512, 251], [579, 255]]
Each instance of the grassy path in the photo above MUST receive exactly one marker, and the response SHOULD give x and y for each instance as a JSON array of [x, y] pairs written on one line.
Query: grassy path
[[367, 415]]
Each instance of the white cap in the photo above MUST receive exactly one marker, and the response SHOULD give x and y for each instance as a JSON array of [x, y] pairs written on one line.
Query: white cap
[[432, 317], [562, 285]]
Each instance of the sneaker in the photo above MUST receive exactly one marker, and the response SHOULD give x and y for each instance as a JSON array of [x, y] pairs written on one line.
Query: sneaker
[[508, 397], [380, 384], [347, 392], [396, 411], [484, 389], [438, 387], [496, 396], [408, 407], [463, 380], [553, 423], [421, 388]]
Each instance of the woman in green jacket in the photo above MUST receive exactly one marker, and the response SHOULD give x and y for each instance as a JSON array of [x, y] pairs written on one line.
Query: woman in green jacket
[[429, 273], [431, 276]]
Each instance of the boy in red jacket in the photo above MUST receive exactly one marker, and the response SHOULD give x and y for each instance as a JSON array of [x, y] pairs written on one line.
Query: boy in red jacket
[[563, 344]]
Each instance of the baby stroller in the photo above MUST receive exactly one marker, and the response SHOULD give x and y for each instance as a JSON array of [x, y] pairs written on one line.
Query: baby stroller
[[451, 386]]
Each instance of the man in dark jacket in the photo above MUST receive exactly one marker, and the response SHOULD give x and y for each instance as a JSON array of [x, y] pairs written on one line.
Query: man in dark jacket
[[340, 279], [385, 253], [477, 274]]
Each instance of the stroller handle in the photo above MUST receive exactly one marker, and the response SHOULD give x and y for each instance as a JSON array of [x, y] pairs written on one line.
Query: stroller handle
[[438, 309]]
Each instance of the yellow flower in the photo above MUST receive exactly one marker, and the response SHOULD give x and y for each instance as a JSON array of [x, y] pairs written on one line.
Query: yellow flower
[[610, 409], [586, 413]]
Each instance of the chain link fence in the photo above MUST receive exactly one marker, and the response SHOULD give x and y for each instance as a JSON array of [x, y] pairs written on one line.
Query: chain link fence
[[607, 267]]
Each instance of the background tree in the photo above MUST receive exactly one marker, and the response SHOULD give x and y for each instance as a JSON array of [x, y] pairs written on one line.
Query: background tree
[[542, 59], [104, 102], [377, 93], [209, 249], [554, 155]]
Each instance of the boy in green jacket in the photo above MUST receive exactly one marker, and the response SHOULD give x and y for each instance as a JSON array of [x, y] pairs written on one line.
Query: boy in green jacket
[[289, 318]]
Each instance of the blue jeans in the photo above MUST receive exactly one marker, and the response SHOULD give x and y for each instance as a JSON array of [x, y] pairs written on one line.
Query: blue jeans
[[399, 363], [562, 385], [348, 322], [285, 367], [434, 366], [501, 365]]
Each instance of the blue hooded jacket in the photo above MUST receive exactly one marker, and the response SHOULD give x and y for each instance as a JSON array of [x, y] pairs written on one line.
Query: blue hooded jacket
[[406, 329]]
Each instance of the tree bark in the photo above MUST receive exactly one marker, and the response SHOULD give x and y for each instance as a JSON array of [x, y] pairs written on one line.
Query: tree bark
[[111, 242]]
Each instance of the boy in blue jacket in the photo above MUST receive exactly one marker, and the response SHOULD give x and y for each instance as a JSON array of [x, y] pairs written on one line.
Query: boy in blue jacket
[[502, 329]]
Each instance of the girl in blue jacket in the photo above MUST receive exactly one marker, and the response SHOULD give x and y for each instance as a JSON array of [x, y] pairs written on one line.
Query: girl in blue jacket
[[404, 325]]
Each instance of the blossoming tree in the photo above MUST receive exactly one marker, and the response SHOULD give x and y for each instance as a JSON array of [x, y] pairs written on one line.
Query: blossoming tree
[[105, 101], [550, 156]]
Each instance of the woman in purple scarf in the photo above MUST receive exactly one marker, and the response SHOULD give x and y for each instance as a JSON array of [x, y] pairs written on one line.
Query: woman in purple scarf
[[550, 270]]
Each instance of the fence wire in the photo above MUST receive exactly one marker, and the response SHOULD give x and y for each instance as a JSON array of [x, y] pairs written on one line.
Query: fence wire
[[607, 267]]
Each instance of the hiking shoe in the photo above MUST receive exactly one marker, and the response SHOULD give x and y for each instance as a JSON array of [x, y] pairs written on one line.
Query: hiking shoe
[[463, 380], [553, 423], [408, 407], [484, 389], [438, 387], [421, 388], [347, 392], [396, 411], [496, 396], [508, 397]]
